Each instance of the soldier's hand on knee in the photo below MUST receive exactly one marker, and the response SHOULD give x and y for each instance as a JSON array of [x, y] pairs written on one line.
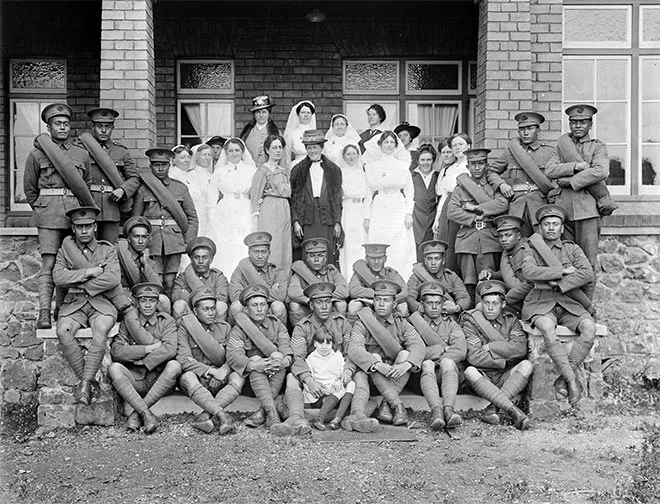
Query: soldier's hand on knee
[[314, 387], [382, 368], [398, 370]]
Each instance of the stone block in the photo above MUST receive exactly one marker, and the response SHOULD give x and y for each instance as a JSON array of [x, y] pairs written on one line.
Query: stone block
[[56, 371], [18, 418], [20, 374], [55, 395], [103, 411], [56, 416]]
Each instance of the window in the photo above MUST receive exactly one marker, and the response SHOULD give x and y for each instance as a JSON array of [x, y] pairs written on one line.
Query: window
[[371, 77], [356, 111], [649, 175], [438, 77], [205, 76], [200, 120], [437, 120]]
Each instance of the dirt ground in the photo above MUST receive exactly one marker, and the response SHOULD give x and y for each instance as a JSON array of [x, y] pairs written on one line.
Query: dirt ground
[[577, 458]]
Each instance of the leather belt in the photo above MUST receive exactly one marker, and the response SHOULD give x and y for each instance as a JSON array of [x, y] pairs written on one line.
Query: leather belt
[[162, 222], [524, 187], [479, 224], [101, 188], [76, 290], [354, 200], [61, 191]]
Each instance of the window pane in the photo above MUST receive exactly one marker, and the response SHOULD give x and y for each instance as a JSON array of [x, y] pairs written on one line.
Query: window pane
[[612, 79], [426, 77], [38, 75], [650, 18], [651, 165], [371, 76], [618, 164], [578, 80], [592, 26], [205, 76], [611, 122], [651, 123], [650, 70]]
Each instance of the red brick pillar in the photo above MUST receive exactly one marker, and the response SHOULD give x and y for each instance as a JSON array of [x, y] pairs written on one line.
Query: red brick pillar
[[128, 72]]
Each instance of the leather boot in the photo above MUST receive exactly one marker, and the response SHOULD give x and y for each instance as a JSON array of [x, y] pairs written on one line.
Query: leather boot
[[452, 418], [520, 420], [358, 420], [256, 419], [574, 391], [318, 424], [400, 415], [437, 419], [606, 206], [134, 421], [561, 392], [335, 423], [84, 392], [225, 422], [43, 322], [203, 422], [384, 412], [490, 416], [272, 418], [150, 422]]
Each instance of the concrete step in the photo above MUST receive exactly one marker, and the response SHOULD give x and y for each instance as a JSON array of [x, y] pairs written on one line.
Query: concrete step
[[84, 333]]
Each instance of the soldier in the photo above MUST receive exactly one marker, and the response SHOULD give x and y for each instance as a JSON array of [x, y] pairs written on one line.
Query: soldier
[[445, 352], [473, 205], [255, 268], [171, 212], [519, 172], [57, 179], [314, 268], [365, 272], [496, 351], [115, 178], [207, 377], [556, 267], [87, 268], [432, 269], [388, 348], [199, 273], [216, 143], [259, 347], [143, 368]]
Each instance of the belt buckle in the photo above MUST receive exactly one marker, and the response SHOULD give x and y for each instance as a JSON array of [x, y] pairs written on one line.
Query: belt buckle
[[67, 192], [162, 222], [479, 225]]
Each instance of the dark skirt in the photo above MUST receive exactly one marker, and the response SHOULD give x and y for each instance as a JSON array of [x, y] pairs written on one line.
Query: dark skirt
[[447, 231]]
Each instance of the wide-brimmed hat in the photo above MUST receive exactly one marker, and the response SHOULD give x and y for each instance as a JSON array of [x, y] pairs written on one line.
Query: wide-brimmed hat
[[261, 102], [404, 126]]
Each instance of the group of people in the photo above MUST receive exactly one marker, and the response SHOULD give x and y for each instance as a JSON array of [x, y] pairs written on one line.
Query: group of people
[[318, 267]]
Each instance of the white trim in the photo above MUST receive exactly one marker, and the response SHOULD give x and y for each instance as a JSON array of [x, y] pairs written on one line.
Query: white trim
[[450, 91], [200, 100], [652, 44], [394, 91], [645, 189], [19, 231], [587, 44], [205, 91], [51, 91]]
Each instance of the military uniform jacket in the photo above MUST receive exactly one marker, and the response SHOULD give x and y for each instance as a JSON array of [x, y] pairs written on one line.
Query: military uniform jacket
[[128, 171], [126, 350], [148, 270], [576, 200], [169, 239], [505, 168], [543, 298], [363, 345], [512, 275], [67, 273], [302, 341], [240, 347], [358, 289], [190, 355], [214, 279], [450, 282], [275, 279], [470, 240], [50, 211], [330, 273], [453, 347], [500, 354]]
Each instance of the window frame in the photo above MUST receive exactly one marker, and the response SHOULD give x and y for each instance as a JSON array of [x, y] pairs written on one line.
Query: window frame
[[457, 102], [644, 189], [200, 99], [655, 44], [40, 91], [451, 92], [384, 92], [199, 92]]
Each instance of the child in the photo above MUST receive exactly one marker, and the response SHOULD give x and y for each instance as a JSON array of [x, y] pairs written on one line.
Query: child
[[327, 367]]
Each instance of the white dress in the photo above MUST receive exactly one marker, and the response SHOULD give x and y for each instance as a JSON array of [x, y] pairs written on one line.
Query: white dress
[[354, 186], [390, 183], [230, 219], [294, 147], [333, 147]]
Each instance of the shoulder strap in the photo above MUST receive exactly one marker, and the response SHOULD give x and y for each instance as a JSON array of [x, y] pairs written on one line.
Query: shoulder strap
[[211, 348], [250, 272], [362, 270], [424, 329], [385, 340], [529, 166], [102, 159], [266, 346], [127, 263], [472, 188], [568, 150], [192, 280], [165, 198], [303, 271], [537, 243], [484, 327]]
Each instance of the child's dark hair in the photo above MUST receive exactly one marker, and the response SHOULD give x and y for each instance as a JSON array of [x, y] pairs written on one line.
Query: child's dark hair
[[322, 335]]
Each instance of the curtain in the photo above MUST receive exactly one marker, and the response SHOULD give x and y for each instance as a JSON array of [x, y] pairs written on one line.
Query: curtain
[[437, 121], [194, 111], [217, 123]]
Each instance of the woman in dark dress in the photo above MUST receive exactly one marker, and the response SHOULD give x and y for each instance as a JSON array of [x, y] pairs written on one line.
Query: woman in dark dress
[[426, 201], [375, 117]]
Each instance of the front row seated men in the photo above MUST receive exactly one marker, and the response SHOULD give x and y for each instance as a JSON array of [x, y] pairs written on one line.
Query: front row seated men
[[496, 351], [144, 368]]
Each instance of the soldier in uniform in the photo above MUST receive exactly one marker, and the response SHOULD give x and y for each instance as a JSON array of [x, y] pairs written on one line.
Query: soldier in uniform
[[556, 267], [111, 164], [388, 348], [314, 268], [445, 352], [365, 272], [88, 268], [496, 353], [52, 188], [431, 269], [216, 143], [259, 348], [144, 368], [171, 212], [518, 173], [473, 204], [255, 268], [207, 377], [198, 273]]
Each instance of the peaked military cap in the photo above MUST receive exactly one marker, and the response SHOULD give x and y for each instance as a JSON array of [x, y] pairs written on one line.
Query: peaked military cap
[[581, 111], [56, 109], [431, 288], [258, 238], [433, 246], [200, 241], [216, 140], [385, 288], [551, 211], [159, 154], [102, 115], [491, 287], [136, 220], [504, 222], [477, 154], [529, 119], [319, 290], [200, 294], [375, 249], [83, 214], [146, 289], [315, 245], [253, 290]]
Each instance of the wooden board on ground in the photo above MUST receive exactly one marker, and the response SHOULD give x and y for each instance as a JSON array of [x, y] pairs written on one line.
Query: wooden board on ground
[[383, 434]]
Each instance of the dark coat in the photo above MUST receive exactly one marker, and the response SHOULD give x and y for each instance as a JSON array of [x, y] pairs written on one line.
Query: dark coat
[[302, 198]]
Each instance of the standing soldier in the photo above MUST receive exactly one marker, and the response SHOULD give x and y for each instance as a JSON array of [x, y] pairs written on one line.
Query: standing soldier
[[171, 212], [143, 368], [57, 179], [519, 172], [88, 269], [207, 377], [386, 347], [114, 175], [445, 352], [312, 269], [496, 352], [432, 269]]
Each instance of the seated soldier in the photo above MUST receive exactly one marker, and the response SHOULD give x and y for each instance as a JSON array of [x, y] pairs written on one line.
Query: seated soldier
[[365, 272], [88, 268], [314, 268], [256, 269], [445, 351], [259, 347], [432, 269], [136, 264], [496, 351], [557, 268], [386, 347], [199, 273], [143, 368], [207, 377]]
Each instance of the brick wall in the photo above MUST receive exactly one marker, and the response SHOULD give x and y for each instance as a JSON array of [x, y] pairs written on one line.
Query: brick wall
[[4, 155]]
